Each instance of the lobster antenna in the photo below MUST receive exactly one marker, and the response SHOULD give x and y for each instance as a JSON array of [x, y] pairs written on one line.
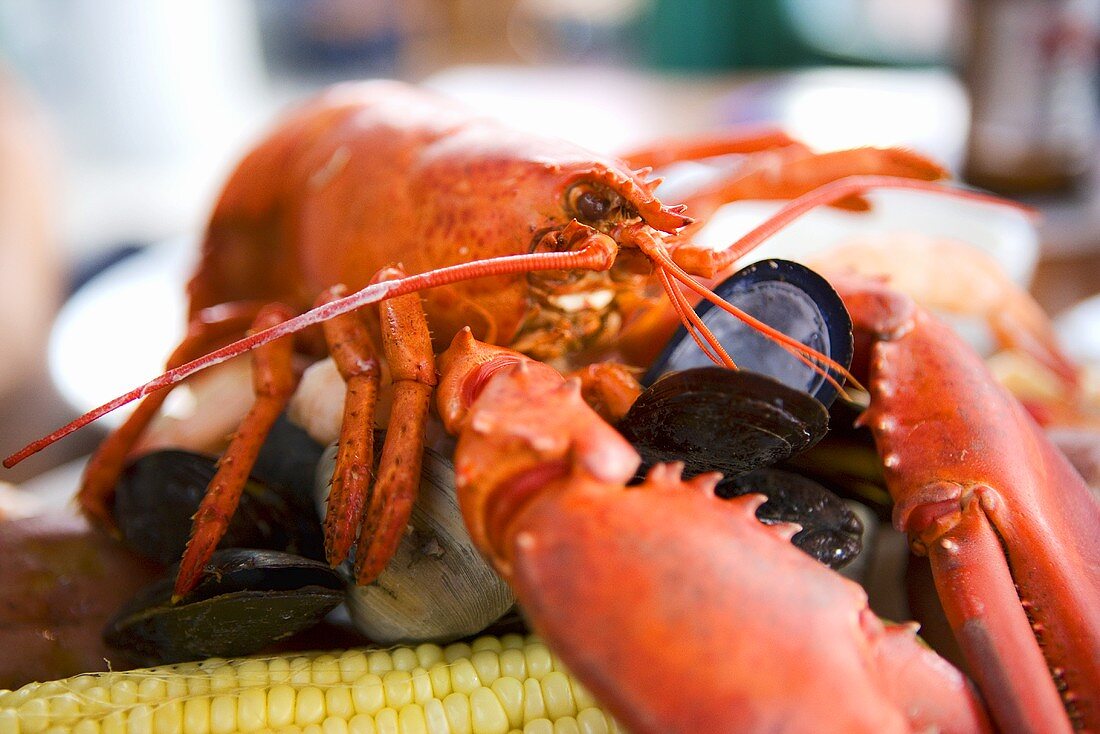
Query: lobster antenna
[[593, 251]]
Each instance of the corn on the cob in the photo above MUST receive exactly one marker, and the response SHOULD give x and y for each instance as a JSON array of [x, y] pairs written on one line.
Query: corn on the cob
[[493, 685]]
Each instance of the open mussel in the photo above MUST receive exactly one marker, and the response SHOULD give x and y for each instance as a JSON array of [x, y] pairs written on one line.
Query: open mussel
[[437, 588], [245, 600], [831, 532], [786, 296], [715, 419]]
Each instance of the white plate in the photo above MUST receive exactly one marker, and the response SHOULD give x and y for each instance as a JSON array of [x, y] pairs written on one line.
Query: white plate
[[116, 332]]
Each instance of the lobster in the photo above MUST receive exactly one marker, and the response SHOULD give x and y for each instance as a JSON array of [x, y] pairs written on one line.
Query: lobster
[[563, 255]]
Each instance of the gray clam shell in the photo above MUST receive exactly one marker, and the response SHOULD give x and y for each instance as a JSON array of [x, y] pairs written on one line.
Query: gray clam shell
[[437, 588]]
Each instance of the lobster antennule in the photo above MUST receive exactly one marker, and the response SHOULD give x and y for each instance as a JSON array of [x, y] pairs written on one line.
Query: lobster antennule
[[592, 251]]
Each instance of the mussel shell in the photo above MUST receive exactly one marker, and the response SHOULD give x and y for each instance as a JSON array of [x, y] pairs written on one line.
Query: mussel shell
[[159, 493], [245, 600], [715, 419], [786, 296], [831, 532]]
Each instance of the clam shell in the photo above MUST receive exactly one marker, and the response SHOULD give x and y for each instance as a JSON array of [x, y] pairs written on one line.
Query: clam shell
[[437, 587]]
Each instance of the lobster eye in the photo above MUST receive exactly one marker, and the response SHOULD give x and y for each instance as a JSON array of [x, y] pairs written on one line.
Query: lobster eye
[[589, 205]]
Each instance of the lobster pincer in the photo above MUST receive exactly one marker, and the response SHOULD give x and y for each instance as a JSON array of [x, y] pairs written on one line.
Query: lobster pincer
[[1006, 522], [603, 570]]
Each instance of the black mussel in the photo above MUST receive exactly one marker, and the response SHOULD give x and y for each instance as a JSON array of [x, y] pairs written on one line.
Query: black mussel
[[288, 462], [157, 495], [788, 297], [831, 532], [245, 600], [715, 419]]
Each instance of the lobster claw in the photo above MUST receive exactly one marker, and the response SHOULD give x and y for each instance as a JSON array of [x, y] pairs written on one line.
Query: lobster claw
[[603, 570], [1008, 525]]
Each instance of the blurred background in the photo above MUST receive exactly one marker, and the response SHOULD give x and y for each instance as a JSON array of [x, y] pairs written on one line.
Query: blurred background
[[120, 119]]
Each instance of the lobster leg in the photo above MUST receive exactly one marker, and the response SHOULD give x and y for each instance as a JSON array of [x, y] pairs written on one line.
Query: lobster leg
[[609, 387], [408, 349], [207, 329], [273, 381], [709, 263], [791, 172], [349, 344], [734, 142], [1009, 526], [603, 570]]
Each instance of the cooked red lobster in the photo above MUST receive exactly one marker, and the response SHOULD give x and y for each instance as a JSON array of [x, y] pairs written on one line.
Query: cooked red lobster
[[461, 229]]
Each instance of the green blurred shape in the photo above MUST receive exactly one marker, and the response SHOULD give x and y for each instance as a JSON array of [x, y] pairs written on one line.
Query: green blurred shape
[[714, 35]]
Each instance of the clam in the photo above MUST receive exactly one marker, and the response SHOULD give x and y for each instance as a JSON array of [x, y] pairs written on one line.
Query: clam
[[437, 587], [788, 297], [245, 600], [715, 419]]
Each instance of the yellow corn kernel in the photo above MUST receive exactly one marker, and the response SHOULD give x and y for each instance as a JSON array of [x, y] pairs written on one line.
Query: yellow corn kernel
[[421, 686], [464, 678], [566, 725], [362, 724], [223, 714], [428, 655], [353, 666], [386, 721], [487, 642], [539, 662], [539, 726], [368, 694], [167, 716], [326, 671], [435, 717], [509, 692], [440, 674], [310, 707], [593, 721], [334, 725], [558, 695], [397, 686], [457, 708], [489, 686], [486, 713], [487, 665], [281, 704], [338, 702], [456, 651], [404, 659], [534, 706], [513, 664], [379, 661], [410, 719], [252, 709], [196, 715]]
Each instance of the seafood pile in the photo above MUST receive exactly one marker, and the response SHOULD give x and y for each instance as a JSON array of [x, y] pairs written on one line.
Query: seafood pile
[[639, 525]]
